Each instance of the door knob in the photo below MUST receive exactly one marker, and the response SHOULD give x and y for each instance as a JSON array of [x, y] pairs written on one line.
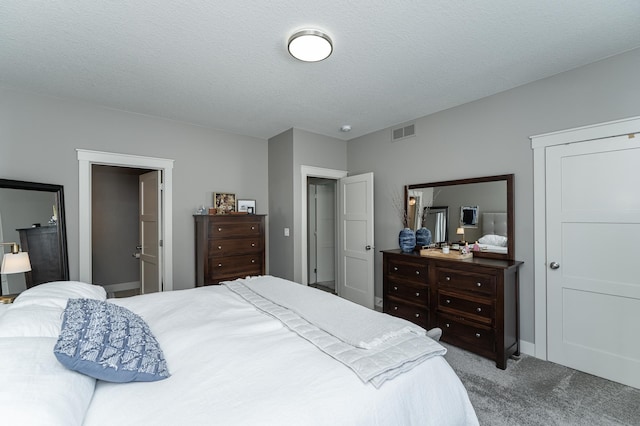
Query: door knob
[[554, 265], [368, 247]]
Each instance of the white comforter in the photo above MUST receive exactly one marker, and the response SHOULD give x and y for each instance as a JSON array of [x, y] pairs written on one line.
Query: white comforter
[[233, 365]]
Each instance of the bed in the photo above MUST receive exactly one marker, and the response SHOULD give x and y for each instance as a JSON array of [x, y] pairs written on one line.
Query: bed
[[234, 357], [494, 232]]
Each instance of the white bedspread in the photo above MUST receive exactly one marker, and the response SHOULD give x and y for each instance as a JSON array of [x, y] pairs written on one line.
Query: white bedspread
[[377, 347], [233, 365]]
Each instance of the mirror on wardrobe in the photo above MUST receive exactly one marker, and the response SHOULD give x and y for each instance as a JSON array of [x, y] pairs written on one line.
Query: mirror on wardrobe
[[475, 209], [32, 215]]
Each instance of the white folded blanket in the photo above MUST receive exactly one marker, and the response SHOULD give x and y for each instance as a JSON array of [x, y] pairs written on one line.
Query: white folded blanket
[[377, 347]]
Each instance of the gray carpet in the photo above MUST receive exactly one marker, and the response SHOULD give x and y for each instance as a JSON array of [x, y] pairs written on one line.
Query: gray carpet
[[536, 392]]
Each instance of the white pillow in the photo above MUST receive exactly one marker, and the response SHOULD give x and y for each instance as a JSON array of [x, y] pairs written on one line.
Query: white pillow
[[31, 321], [36, 389], [57, 293], [493, 240]]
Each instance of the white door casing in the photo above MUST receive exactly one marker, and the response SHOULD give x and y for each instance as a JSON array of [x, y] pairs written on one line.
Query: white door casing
[[356, 240], [150, 190], [325, 232], [593, 208]]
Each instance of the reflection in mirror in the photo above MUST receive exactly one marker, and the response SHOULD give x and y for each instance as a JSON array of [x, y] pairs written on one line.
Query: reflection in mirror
[[32, 215], [437, 221], [482, 206]]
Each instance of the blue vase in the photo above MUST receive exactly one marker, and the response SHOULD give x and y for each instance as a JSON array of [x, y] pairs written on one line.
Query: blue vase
[[407, 240], [423, 237]]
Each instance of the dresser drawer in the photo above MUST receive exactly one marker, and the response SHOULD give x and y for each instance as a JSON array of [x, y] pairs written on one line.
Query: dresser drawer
[[233, 246], [481, 310], [407, 270], [415, 293], [415, 314], [467, 281], [220, 229], [466, 334], [235, 265]]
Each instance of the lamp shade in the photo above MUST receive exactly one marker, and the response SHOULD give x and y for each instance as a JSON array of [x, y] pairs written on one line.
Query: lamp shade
[[460, 231], [14, 263]]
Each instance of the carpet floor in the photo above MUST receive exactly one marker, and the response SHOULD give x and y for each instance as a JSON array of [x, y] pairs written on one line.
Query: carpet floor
[[535, 392]]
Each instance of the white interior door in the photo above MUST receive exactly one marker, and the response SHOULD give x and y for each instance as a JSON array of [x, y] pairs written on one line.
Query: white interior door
[[150, 232], [593, 226], [356, 249], [325, 232]]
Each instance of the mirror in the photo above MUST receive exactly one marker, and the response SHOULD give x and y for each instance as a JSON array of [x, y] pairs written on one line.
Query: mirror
[[32, 215], [481, 208]]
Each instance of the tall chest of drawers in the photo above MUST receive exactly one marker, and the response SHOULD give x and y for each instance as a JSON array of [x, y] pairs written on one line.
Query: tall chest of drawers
[[228, 247], [474, 301]]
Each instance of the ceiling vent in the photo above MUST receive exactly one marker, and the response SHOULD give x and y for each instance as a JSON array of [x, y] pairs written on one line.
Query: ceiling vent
[[403, 132]]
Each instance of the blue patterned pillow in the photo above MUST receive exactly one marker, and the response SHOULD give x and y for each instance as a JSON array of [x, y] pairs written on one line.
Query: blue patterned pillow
[[109, 342]]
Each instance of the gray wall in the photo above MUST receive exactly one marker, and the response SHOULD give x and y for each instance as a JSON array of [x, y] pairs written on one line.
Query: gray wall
[[289, 151], [489, 137], [40, 136]]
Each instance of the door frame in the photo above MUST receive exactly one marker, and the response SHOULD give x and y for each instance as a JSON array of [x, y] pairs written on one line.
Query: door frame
[[306, 172], [86, 159], [539, 143]]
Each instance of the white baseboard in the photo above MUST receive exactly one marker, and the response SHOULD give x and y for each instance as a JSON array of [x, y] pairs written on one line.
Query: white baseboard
[[527, 348]]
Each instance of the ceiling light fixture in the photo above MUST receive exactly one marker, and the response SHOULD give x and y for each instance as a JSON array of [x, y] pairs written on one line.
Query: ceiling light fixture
[[310, 45]]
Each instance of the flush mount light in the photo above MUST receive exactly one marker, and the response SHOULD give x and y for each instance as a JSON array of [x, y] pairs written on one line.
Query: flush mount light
[[310, 45]]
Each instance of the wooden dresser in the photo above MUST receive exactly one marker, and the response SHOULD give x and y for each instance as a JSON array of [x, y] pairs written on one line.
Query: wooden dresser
[[228, 247], [474, 301], [45, 254]]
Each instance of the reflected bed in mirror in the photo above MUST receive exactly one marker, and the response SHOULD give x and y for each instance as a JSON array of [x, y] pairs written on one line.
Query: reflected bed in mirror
[[482, 207], [32, 215]]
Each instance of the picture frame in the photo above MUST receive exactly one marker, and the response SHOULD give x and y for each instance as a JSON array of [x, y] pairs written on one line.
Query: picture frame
[[248, 206], [224, 202]]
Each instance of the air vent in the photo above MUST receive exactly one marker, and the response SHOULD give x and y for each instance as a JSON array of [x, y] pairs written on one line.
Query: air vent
[[403, 132]]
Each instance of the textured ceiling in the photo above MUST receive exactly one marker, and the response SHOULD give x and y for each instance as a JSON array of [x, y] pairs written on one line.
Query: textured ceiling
[[224, 64]]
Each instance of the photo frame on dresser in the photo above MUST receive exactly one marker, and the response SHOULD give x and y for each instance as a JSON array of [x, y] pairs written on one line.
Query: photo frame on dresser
[[224, 202], [248, 206]]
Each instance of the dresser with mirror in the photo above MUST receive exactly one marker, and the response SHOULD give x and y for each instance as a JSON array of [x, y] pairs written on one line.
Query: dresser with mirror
[[474, 300]]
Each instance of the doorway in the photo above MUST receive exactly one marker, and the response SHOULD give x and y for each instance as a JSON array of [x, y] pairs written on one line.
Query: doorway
[[321, 233], [85, 161], [115, 228]]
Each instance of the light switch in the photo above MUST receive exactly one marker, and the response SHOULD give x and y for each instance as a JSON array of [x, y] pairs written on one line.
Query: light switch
[[286, 232]]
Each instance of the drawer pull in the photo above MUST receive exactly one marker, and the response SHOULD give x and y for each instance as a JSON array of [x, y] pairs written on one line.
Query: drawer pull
[[417, 294], [448, 301], [253, 228], [219, 247], [447, 278], [448, 325], [478, 309], [479, 284], [478, 335], [417, 272], [395, 308], [395, 288], [219, 229], [219, 265], [395, 268], [253, 261], [253, 244], [417, 315]]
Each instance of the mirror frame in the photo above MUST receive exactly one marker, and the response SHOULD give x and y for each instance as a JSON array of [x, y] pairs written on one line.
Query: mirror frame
[[508, 178], [62, 228]]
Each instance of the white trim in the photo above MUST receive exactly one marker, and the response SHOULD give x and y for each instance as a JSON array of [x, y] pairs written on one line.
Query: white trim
[[305, 172], [85, 159], [528, 348], [539, 143]]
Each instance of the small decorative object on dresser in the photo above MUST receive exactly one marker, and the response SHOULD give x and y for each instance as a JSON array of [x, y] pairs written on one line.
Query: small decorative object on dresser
[[224, 202], [474, 301], [228, 247], [407, 240]]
